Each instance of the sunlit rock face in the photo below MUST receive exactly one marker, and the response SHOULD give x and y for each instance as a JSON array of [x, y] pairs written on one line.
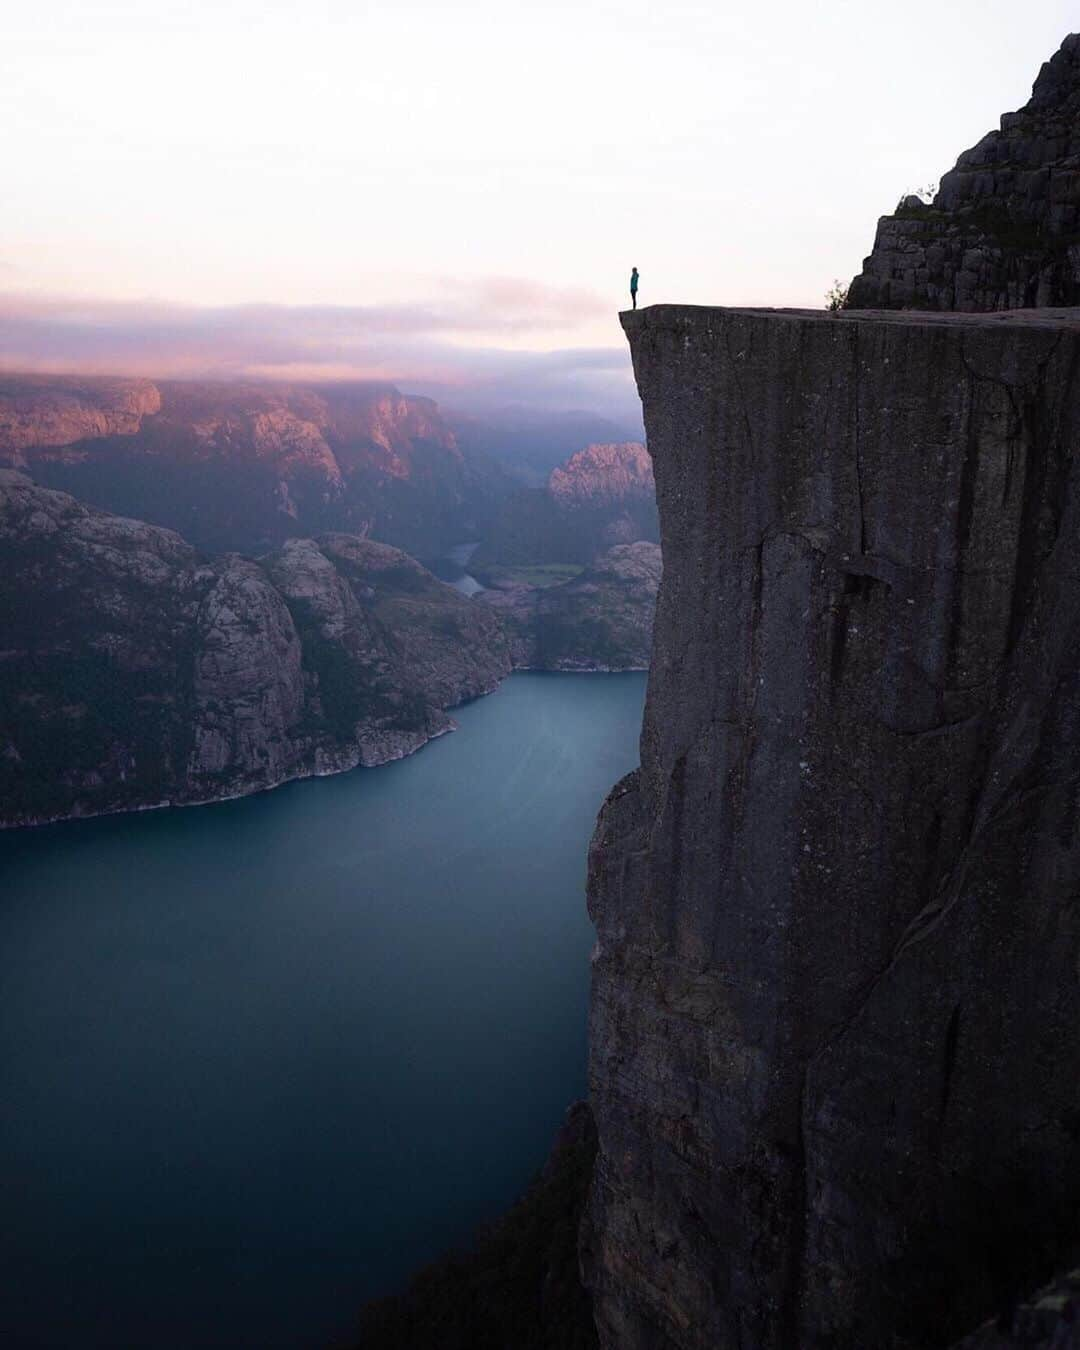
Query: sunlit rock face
[[245, 465], [1003, 232], [135, 671], [604, 474], [41, 413], [602, 496], [834, 1063]]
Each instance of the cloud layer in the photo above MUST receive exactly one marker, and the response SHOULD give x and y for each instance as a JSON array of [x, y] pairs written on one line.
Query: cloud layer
[[470, 346]]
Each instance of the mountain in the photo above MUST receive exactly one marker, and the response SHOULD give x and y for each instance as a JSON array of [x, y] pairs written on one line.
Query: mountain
[[606, 477], [600, 619], [1003, 232], [602, 495], [41, 412], [245, 465], [136, 671], [529, 443]]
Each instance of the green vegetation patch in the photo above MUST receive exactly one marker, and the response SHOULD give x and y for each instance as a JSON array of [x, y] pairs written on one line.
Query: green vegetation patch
[[539, 575]]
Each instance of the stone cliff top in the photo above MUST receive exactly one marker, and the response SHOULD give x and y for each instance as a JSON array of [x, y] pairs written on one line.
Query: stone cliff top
[[674, 316]]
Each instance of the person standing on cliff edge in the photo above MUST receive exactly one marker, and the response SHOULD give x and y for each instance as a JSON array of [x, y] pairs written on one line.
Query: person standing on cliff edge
[[633, 287]]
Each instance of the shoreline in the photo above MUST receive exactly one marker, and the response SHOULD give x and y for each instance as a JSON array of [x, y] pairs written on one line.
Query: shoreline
[[356, 760]]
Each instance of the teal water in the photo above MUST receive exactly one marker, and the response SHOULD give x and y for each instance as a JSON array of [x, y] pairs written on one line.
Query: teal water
[[260, 1060]]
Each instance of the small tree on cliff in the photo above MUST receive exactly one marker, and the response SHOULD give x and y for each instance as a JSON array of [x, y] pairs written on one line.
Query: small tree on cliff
[[836, 296]]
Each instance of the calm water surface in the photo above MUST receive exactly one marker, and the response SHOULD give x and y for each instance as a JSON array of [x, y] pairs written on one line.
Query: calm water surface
[[258, 1060], [454, 570]]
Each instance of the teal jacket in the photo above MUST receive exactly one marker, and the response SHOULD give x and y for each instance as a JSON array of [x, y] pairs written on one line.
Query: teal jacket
[[633, 281]]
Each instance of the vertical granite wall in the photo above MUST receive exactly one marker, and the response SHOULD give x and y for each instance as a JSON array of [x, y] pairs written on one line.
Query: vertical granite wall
[[834, 1056]]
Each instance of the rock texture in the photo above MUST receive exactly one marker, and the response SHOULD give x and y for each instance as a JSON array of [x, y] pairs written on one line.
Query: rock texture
[[834, 1062], [1046, 1319], [1003, 232], [599, 620], [45, 411], [603, 475], [243, 465], [136, 672], [601, 496]]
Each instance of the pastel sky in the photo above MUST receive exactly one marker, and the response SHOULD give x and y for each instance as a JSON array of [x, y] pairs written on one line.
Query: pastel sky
[[461, 184]]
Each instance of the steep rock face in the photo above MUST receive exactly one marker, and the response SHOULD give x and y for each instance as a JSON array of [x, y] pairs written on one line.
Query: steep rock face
[[135, 671], [599, 620], [602, 474], [245, 465], [834, 1062], [434, 640], [45, 410], [1003, 232]]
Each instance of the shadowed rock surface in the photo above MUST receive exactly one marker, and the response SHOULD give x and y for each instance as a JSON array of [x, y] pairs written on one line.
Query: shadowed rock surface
[[135, 671], [599, 620], [1003, 232], [518, 1288], [1036, 1321], [834, 1062]]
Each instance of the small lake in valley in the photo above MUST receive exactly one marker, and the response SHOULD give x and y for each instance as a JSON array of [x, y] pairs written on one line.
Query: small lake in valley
[[260, 1060]]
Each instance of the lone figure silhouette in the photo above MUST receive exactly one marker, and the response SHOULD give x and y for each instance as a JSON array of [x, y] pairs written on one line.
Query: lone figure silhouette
[[633, 286]]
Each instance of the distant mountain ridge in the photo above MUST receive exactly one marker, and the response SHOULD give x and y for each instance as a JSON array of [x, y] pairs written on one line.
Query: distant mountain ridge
[[40, 411], [603, 495], [243, 464], [604, 474], [528, 443]]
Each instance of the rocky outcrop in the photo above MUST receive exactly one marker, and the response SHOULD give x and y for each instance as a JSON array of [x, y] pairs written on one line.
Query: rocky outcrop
[[243, 465], [436, 641], [599, 620], [45, 411], [601, 496], [1003, 232], [834, 1063], [137, 672], [602, 475]]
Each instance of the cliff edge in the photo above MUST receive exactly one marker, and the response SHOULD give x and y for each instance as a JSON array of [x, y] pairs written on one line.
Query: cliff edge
[[833, 1056]]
